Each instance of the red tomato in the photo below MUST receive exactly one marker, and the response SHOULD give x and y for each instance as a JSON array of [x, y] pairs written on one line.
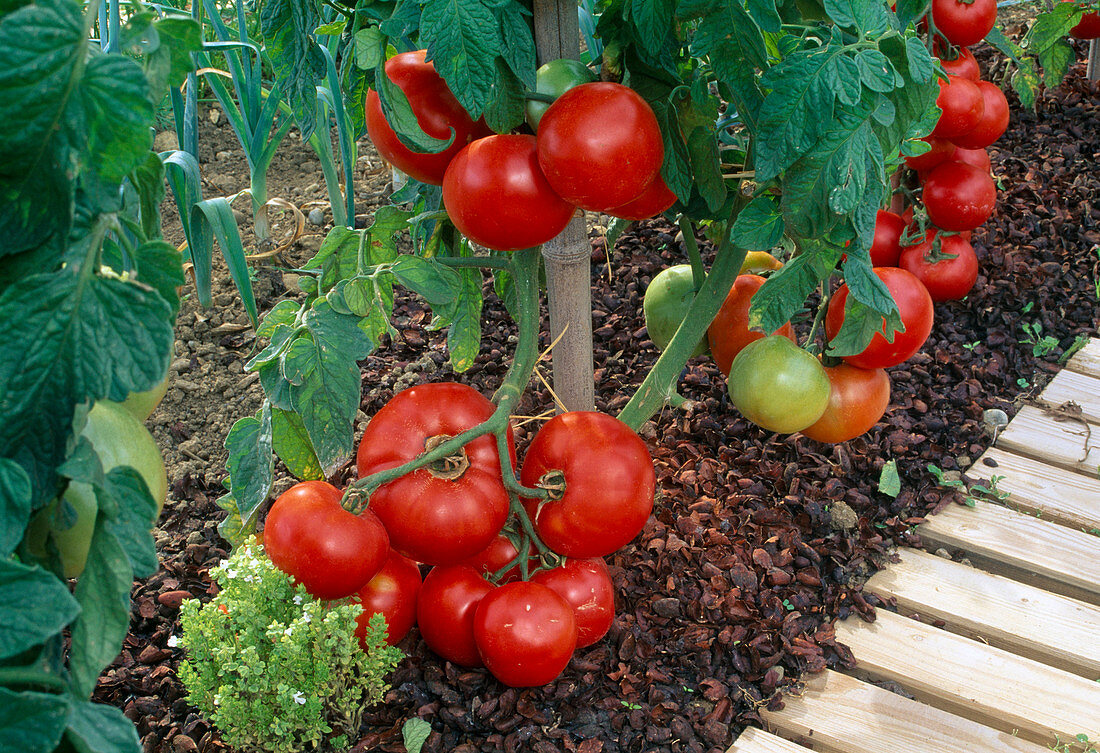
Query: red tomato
[[392, 593], [654, 200], [962, 105], [993, 123], [946, 279], [445, 611], [959, 196], [915, 308], [979, 158], [437, 111], [586, 586], [497, 196], [1088, 27], [964, 23], [432, 515], [600, 146], [608, 481], [941, 150], [330, 551], [525, 633], [964, 64], [729, 332], [498, 554], [857, 400], [886, 247]]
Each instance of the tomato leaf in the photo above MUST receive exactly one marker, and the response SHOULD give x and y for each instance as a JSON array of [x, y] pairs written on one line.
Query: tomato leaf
[[463, 39], [759, 226], [250, 463], [34, 605], [910, 10], [464, 334], [1056, 60], [786, 289], [398, 113], [889, 482], [36, 720], [653, 21], [137, 511], [103, 592], [98, 728], [505, 110], [876, 72], [15, 504], [160, 266], [517, 42], [287, 27], [414, 733], [290, 440], [869, 18], [706, 166], [434, 282]]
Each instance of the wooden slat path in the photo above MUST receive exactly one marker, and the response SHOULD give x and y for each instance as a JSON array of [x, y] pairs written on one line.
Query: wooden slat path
[[1011, 659]]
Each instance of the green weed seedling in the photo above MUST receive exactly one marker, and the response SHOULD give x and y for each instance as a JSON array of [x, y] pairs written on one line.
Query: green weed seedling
[[1081, 743], [1041, 345], [977, 492]]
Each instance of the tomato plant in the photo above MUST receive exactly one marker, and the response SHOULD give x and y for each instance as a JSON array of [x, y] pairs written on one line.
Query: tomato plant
[[586, 586], [729, 333], [554, 79], [666, 301], [392, 592], [600, 146], [525, 633], [914, 308], [778, 385], [497, 196], [445, 610], [962, 104], [309, 536], [601, 482], [992, 124], [857, 400], [964, 23], [958, 196], [949, 271], [437, 111]]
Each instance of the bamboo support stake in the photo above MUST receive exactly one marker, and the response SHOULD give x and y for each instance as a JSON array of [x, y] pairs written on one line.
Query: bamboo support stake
[[568, 256], [1093, 70]]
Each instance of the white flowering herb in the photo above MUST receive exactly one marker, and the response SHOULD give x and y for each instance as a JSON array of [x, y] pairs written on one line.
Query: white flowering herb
[[276, 670]]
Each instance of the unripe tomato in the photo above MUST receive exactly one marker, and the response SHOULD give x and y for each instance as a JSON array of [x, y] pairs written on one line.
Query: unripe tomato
[[497, 196], [142, 404], [666, 303], [992, 124], [600, 146], [729, 332], [778, 385], [525, 634], [757, 262], [964, 23], [392, 593], [961, 101], [958, 196], [436, 110], [947, 279], [555, 79], [857, 400]]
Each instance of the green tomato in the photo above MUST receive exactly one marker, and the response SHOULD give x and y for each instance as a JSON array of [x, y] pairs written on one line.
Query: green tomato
[[556, 78], [142, 404], [666, 303], [778, 385]]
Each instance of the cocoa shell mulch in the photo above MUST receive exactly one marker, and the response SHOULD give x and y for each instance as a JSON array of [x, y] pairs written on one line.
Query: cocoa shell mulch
[[757, 542]]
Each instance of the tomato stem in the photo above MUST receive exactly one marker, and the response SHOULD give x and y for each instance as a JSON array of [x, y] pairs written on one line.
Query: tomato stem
[[23, 676], [819, 318], [698, 271]]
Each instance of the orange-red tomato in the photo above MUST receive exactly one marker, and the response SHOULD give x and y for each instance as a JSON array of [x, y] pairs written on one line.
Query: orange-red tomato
[[857, 400], [729, 332]]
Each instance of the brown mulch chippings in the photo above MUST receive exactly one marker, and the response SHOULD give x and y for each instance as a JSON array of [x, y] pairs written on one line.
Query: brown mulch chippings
[[758, 541]]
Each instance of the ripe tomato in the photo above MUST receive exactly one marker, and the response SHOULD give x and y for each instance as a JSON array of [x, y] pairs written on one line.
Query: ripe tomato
[[959, 196], [498, 554], [1088, 27], [964, 23], [993, 123], [654, 200], [964, 64], [436, 110], [979, 158], [665, 305], [941, 150], [914, 307], [525, 634], [886, 247], [729, 332], [586, 586], [332, 552], [946, 279], [778, 385], [962, 105], [857, 400], [603, 478], [437, 516], [445, 611], [555, 78], [600, 146], [391, 592], [497, 196]]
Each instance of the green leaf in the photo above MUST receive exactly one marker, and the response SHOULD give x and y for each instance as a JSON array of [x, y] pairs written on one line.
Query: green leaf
[[505, 111], [889, 482], [922, 66], [290, 440], [182, 171], [250, 464], [36, 721], [910, 10], [464, 335], [436, 283], [730, 37], [148, 180], [103, 592], [370, 48], [414, 733], [517, 42], [34, 605], [160, 266], [706, 165], [287, 27], [1056, 60], [284, 313], [1051, 27], [15, 504], [759, 226], [869, 18], [215, 217], [786, 290], [653, 20], [137, 511], [179, 37], [98, 728], [462, 39], [398, 113], [861, 323], [875, 71]]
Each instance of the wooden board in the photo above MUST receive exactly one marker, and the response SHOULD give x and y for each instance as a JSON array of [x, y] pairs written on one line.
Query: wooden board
[[1086, 360], [1047, 555], [840, 714], [985, 684], [1028, 621], [1082, 389], [754, 740], [1054, 494], [1068, 444]]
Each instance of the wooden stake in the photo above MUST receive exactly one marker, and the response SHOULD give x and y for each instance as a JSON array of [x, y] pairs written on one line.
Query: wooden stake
[[1093, 71], [567, 257]]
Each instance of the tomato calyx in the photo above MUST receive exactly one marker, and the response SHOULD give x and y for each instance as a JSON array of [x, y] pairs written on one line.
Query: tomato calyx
[[449, 467], [553, 482]]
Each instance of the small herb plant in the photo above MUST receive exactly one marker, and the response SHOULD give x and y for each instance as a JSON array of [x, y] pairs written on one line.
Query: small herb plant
[[976, 492], [275, 669]]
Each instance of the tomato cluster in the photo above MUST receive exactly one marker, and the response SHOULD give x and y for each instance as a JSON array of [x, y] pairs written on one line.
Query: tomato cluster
[[598, 146], [483, 603]]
